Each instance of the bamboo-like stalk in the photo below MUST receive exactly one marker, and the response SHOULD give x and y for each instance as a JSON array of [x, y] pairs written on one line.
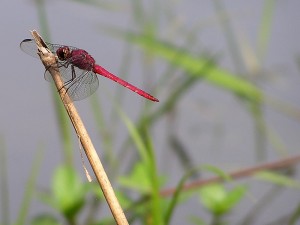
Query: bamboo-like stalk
[[49, 62]]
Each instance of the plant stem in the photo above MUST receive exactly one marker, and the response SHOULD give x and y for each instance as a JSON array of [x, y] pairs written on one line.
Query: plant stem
[[276, 165]]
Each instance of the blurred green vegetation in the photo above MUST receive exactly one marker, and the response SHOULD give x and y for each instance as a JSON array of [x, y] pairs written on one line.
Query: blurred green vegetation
[[139, 191]]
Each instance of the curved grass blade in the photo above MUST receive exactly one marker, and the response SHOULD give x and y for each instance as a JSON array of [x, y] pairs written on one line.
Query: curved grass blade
[[192, 65], [29, 190]]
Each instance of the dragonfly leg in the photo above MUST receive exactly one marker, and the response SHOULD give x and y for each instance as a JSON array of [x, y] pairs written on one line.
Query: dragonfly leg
[[72, 78], [70, 82]]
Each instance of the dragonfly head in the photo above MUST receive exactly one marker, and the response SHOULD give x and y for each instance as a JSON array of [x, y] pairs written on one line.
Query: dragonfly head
[[63, 53]]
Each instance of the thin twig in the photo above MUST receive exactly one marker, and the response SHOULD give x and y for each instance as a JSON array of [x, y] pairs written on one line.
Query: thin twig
[[276, 165], [49, 62]]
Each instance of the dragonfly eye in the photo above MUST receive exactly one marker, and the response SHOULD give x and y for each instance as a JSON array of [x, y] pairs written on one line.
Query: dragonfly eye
[[63, 53]]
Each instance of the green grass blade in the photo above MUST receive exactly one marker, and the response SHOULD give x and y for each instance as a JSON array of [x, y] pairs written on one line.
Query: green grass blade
[[4, 185], [104, 130], [42, 12], [29, 189], [63, 124], [173, 98], [229, 34], [176, 195], [193, 65], [106, 5], [265, 27], [278, 179], [145, 148], [136, 137], [156, 198], [295, 216]]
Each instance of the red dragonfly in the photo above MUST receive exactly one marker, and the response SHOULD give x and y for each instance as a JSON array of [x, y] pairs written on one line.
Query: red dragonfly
[[78, 70]]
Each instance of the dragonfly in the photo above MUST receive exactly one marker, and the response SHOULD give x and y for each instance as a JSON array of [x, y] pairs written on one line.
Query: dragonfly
[[78, 70]]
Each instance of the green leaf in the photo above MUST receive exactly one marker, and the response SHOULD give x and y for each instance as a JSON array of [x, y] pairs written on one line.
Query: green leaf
[[95, 189], [278, 179], [179, 189], [234, 196], [212, 197], [139, 179], [219, 201], [68, 191]]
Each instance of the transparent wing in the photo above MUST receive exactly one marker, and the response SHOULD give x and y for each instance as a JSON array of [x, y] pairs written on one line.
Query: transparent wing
[[83, 85], [65, 72]]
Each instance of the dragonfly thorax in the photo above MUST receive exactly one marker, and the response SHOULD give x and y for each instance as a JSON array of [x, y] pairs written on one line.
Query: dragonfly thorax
[[76, 57], [82, 59]]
